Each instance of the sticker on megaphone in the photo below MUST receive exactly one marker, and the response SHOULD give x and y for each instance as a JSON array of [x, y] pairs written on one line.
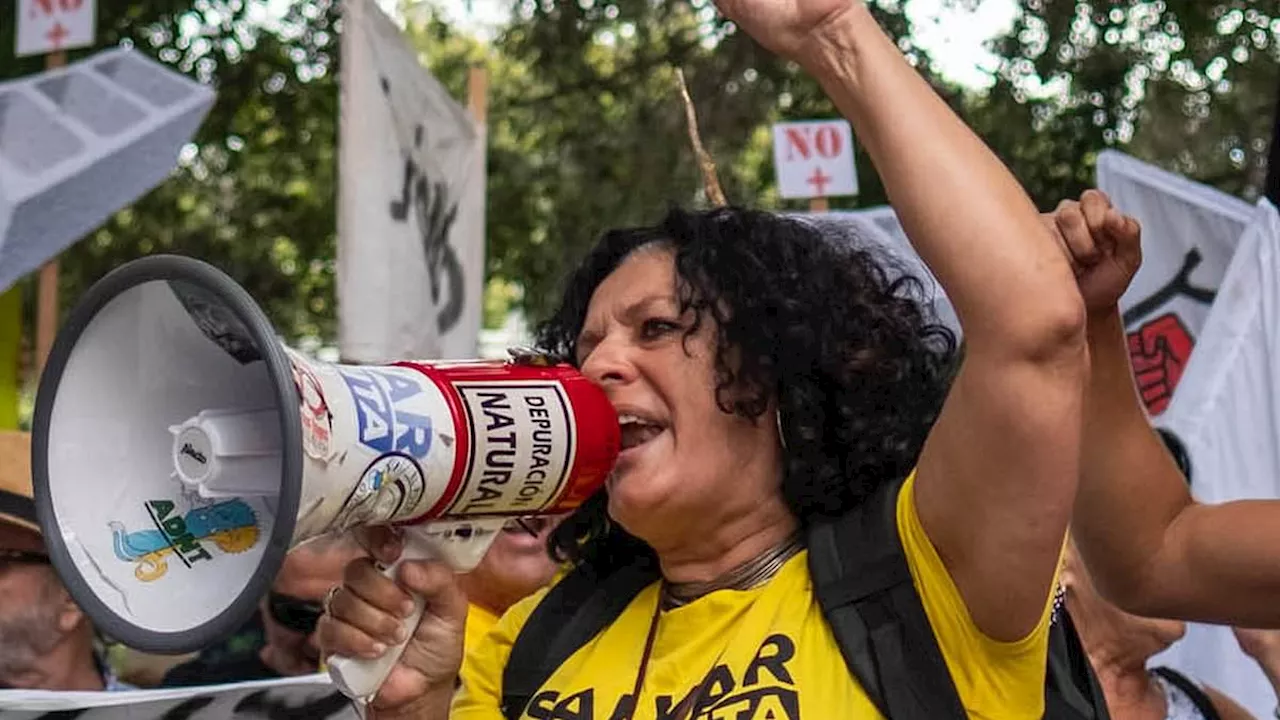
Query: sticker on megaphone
[[415, 443], [456, 449]]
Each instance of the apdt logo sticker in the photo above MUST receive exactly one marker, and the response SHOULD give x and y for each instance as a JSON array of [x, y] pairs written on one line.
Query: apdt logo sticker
[[231, 526]]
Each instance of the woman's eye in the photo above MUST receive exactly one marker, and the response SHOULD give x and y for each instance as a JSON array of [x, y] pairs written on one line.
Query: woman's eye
[[655, 328]]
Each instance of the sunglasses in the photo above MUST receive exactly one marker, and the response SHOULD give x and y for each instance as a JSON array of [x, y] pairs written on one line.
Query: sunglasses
[[300, 616], [23, 557]]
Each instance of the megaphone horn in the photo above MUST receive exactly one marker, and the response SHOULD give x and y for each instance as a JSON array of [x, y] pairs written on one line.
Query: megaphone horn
[[179, 450]]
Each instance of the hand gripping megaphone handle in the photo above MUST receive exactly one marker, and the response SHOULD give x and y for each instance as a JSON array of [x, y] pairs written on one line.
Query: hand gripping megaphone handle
[[360, 679]]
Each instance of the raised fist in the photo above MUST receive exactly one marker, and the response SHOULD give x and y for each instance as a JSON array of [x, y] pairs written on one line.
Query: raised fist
[[1103, 245], [784, 26]]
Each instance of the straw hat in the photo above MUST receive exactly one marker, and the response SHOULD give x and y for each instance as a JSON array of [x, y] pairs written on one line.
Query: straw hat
[[16, 505]]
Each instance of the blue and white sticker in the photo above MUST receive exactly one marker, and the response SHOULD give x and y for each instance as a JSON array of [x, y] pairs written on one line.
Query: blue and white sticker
[[393, 409]]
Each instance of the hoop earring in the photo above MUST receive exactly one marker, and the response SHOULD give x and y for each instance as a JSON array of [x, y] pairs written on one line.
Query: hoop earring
[[777, 414]]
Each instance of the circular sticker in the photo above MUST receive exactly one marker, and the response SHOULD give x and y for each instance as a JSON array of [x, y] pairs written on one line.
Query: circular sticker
[[393, 484], [192, 452]]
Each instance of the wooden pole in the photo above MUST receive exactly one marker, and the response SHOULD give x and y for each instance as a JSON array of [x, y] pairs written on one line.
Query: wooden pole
[[478, 106], [1272, 187], [818, 205], [478, 94], [11, 360], [47, 295]]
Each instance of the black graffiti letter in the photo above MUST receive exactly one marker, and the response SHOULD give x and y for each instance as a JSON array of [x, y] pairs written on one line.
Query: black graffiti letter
[[61, 714], [261, 704], [717, 683], [435, 212], [400, 208], [188, 708], [1179, 285]]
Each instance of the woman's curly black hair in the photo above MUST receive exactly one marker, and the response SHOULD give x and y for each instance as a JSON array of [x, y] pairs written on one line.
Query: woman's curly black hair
[[856, 360]]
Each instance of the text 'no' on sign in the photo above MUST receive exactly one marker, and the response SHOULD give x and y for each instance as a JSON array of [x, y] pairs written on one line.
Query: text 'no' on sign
[[814, 159]]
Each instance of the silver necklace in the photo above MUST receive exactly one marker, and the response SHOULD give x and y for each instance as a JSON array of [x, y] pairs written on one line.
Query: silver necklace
[[752, 573]]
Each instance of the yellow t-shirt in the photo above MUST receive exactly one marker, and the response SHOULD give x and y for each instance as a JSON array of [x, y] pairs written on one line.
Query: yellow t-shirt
[[479, 623], [768, 653]]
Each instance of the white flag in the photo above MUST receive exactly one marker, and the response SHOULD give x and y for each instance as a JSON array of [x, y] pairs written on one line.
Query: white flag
[[410, 203], [1227, 414], [1189, 234]]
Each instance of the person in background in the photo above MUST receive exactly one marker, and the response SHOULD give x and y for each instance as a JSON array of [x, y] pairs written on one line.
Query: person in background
[[517, 564], [46, 640], [280, 640], [1119, 646]]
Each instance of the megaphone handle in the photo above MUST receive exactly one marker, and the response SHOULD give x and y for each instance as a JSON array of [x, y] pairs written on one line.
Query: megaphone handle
[[360, 679]]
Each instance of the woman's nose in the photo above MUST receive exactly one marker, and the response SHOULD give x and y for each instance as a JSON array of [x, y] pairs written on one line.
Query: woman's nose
[[608, 364]]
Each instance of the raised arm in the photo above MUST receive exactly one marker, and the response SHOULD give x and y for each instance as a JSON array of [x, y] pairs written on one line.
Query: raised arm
[[997, 476], [1152, 549]]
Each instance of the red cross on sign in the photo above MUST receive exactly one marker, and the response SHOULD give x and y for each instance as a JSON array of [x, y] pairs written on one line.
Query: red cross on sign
[[56, 35], [819, 181]]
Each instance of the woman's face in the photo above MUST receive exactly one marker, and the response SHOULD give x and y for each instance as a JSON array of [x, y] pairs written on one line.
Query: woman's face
[[686, 466]]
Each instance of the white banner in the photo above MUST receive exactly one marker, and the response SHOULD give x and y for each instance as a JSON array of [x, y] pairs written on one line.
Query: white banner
[[410, 203], [1189, 234], [311, 696], [1227, 413]]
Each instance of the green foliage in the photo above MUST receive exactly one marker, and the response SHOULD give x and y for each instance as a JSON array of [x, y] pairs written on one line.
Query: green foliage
[[1186, 84], [586, 129], [587, 132]]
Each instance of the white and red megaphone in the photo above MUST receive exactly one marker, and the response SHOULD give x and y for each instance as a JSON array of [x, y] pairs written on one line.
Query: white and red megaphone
[[179, 450]]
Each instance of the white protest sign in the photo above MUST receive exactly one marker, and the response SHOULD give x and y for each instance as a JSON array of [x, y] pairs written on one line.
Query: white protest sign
[[814, 159], [410, 276], [311, 696], [46, 26]]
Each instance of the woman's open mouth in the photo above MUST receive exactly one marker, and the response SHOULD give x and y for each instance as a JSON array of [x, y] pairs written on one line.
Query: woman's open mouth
[[637, 431]]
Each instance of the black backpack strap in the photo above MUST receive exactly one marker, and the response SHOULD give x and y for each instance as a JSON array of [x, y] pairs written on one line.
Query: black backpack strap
[[863, 584], [1199, 697], [1071, 689], [573, 612]]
